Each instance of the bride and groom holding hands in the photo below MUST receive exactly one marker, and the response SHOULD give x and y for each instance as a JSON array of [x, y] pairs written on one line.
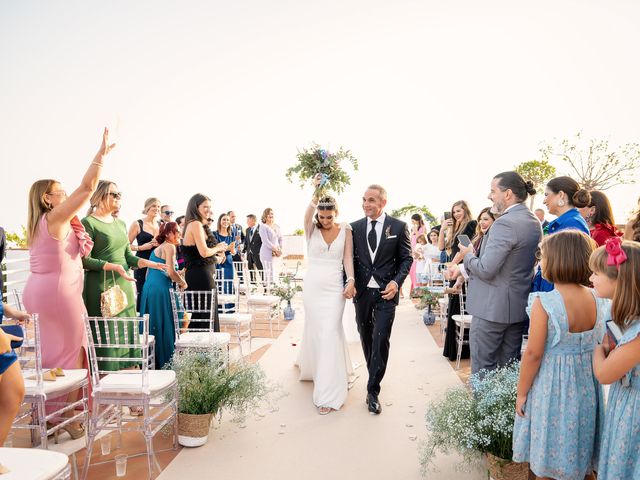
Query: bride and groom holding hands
[[365, 261]]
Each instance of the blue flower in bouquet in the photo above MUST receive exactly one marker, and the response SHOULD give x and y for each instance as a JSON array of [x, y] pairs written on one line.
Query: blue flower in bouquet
[[324, 178], [323, 154]]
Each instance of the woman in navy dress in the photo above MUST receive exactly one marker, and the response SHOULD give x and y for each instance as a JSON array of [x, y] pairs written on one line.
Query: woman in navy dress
[[144, 232], [224, 234]]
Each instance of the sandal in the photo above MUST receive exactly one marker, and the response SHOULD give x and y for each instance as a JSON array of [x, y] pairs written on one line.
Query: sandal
[[324, 410], [136, 411]]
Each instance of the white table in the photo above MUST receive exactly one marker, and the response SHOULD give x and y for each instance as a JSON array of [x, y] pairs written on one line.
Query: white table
[[34, 464]]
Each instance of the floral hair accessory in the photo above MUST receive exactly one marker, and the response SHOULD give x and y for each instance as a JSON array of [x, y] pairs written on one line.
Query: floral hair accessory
[[615, 253]]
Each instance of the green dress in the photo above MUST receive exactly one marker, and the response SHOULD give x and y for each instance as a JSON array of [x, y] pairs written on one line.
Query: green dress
[[110, 245]]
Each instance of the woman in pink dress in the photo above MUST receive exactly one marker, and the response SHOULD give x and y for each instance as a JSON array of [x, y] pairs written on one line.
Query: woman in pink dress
[[57, 242], [417, 228]]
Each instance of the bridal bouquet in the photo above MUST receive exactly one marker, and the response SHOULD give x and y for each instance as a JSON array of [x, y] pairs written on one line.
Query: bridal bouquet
[[314, 160]]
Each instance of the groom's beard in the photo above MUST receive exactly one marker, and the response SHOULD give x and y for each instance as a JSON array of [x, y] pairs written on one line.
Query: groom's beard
[[497, 208]]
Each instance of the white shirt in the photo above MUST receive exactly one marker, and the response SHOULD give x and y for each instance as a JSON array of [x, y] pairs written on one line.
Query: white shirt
[[380, 223]]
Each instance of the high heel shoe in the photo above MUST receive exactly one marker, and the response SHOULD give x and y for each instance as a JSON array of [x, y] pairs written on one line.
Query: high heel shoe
[[75, 432]]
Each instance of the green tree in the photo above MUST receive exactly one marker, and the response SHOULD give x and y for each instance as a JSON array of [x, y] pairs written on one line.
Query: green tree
[[410, 209], [593, 163], [538, 171], [19, 240]]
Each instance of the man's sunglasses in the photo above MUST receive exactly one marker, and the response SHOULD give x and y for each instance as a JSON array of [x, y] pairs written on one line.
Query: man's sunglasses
[[168, 212], [116, 195]]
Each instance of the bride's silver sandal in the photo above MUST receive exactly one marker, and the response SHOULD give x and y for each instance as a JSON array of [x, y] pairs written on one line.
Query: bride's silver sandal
[[324, 410]]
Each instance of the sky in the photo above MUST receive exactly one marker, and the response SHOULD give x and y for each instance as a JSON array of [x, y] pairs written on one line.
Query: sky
[[432, 97]]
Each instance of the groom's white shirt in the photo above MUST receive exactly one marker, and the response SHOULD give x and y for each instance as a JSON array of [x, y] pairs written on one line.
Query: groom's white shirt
[[372, 283]]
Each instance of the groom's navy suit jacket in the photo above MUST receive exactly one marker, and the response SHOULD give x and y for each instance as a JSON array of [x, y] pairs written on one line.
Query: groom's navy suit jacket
[[393, 257]]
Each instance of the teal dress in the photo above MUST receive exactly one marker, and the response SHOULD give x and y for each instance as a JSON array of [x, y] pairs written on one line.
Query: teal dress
[[564, 411], [621, 434], [156, 301]]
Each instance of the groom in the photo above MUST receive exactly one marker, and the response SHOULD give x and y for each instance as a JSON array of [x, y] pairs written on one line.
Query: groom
[[382, 259]]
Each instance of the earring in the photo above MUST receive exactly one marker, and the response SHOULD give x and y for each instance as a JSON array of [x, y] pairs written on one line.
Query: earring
[[561, 203]]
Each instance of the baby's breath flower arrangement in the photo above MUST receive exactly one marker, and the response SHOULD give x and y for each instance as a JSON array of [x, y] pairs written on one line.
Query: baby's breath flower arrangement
[[474, 420], [316, 159]]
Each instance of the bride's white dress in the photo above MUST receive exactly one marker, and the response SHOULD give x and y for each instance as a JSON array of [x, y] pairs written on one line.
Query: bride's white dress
[[324, 355]]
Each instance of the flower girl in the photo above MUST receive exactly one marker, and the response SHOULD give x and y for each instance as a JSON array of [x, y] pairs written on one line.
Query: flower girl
[[616, 275], [559, 403]]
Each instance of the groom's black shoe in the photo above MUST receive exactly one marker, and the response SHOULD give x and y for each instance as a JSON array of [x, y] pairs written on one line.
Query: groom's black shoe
[[374, 404]]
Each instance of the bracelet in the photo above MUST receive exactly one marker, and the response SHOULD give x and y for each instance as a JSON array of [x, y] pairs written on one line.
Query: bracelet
[[350, 278], [98, 163]]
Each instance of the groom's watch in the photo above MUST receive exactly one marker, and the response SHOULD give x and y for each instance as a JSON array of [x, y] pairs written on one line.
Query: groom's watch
[[350, 278]]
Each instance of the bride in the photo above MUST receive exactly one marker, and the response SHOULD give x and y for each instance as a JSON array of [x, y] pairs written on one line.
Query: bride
[[324, 355]]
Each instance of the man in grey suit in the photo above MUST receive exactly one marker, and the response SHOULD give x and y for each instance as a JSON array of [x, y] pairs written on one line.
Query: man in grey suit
[[500, 276]]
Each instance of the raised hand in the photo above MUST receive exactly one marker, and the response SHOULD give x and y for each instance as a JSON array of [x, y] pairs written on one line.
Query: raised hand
[[105, 148]]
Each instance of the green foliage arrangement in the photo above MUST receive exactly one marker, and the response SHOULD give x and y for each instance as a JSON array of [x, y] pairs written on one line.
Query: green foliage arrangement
[[314, 160], [206, 385], [298, 232], [428, 298], [410, 209], [287, 288], [474, 421]]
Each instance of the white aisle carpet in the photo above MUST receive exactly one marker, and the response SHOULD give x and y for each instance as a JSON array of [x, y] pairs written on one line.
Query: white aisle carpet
[[295, 442]]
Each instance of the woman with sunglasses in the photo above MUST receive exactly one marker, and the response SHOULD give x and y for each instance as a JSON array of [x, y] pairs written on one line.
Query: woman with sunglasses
[[111, 251], [57, 242]]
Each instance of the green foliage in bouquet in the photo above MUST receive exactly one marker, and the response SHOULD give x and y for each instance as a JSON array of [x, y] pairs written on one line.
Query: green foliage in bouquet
[[19, 240], [314, 160], [426, 296], [474, 421], [287, 288], [207, 385]]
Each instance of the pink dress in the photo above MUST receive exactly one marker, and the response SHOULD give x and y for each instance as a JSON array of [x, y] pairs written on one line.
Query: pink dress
[[412, 271], [54, 292]]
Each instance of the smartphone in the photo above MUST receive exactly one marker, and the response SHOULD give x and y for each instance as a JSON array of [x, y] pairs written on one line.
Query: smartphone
[[464, 240], [447, 215]]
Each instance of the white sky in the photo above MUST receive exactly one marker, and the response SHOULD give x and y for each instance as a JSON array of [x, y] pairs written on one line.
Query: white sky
[[433, 97]]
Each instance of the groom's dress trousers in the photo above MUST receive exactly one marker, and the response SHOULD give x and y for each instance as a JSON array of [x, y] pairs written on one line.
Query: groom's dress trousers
[[382, 253]]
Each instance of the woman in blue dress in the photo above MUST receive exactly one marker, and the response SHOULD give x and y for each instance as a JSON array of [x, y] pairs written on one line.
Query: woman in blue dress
[[559, 403], [562, 197], [156, 299], [11, 382], [616, 275], [224, 234]]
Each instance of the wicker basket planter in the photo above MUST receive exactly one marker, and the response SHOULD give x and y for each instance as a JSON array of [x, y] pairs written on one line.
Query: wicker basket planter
[[193, 430], [501, 469]]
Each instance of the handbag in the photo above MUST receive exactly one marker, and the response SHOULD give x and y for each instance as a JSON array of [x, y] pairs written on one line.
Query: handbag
[[113, 300]]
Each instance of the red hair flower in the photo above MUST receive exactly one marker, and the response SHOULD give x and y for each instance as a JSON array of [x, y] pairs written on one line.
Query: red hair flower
[[615, 253]]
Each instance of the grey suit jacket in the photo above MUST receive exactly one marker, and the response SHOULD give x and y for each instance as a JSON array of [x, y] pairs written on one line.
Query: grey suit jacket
[[500, 277]]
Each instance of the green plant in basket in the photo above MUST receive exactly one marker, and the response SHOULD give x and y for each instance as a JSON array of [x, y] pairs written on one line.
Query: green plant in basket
[[207, 385], [474, 420], [314, 160]]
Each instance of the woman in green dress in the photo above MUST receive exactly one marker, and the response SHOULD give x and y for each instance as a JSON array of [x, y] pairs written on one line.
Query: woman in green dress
[[111, 252]]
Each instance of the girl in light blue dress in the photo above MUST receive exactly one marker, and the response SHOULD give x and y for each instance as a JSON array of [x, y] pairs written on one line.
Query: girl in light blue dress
[[559, 402], [616, 275]]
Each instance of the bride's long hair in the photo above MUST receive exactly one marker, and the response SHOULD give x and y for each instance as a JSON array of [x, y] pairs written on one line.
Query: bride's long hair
[[326, 204]]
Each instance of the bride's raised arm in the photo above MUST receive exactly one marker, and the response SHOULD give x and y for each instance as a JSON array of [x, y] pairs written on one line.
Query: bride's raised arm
[[347, 261], [308, 215]]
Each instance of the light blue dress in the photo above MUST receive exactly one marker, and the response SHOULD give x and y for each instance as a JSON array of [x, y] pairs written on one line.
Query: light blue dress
[[619, 457], [564, 412]]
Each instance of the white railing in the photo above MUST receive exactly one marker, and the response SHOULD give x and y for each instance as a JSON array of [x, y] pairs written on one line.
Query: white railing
[[16, 271]]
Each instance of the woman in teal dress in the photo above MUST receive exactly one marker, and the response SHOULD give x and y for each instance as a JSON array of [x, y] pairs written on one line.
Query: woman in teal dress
[[156, 299], [616, 275], [111, 249]]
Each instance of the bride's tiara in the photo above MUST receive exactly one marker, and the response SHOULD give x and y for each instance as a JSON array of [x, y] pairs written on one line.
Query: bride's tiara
[[326, 204]]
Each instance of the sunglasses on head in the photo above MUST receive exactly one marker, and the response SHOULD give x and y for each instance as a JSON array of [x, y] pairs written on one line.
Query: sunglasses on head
[[116, 195], [168, 212]]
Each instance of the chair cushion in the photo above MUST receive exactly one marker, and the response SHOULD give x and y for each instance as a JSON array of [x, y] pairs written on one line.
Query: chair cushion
[[235, 318], [462, 318], [33, 463], [72, 378], [263, 300], [130, 381], [202, 339]]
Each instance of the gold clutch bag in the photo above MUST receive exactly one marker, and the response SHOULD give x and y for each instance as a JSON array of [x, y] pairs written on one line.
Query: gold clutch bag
[[113, 300]]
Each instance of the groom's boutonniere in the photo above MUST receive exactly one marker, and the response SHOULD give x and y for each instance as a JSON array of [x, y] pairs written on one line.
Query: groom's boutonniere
[[387, 233]]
